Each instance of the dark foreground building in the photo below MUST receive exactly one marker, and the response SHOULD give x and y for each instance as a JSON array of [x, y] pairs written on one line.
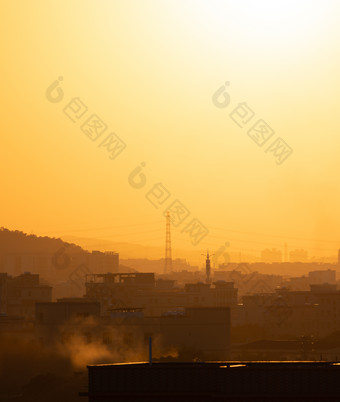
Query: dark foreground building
[[218, 381], [201, 333]]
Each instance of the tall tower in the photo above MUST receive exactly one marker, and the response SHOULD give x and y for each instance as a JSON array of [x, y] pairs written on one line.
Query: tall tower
[[339, 257], [168, 253], [207, 268]]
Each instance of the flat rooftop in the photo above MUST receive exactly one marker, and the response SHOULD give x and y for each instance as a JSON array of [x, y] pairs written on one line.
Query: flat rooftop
[[269, 381], [223, 364]]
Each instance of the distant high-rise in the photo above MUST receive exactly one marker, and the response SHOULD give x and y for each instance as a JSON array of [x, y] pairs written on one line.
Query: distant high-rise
[[272, 255], [339, 257], [299, 255], [285, 252]]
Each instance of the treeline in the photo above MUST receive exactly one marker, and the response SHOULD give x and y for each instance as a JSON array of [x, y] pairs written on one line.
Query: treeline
[[15, 241]]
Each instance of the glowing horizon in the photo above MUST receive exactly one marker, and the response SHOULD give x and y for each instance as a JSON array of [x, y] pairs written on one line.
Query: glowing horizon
[[149, 70]]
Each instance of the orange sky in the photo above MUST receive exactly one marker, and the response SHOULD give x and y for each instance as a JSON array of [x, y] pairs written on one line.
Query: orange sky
[[149, 70]]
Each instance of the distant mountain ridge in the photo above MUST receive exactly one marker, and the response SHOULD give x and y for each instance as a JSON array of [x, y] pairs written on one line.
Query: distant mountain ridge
[[133, 250], [15, 241]]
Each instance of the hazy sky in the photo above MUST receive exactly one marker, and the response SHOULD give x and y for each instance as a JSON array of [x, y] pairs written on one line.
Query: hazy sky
[[149, 69]]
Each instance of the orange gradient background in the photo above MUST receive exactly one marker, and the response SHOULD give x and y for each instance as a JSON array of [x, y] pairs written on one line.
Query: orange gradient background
[[149, 69]]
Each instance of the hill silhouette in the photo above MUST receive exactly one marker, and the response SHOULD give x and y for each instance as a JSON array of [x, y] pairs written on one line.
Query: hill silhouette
[[15, 241]]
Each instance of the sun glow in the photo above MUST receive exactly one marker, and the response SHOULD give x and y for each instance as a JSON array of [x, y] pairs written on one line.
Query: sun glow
[[149, 70], [273, 23]]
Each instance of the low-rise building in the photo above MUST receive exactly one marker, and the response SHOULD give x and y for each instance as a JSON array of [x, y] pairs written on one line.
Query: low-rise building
[[192, 333], [23, 292]]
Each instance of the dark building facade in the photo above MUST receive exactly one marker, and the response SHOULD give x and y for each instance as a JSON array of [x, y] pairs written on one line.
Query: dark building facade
[[237, 381], [196, 333]]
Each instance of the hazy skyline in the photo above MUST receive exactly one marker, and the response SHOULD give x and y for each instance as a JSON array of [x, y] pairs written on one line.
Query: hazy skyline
[[149, 71]]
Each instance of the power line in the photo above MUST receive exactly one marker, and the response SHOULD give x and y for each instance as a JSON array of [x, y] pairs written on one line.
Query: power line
[[106, 228], [278, 236]]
